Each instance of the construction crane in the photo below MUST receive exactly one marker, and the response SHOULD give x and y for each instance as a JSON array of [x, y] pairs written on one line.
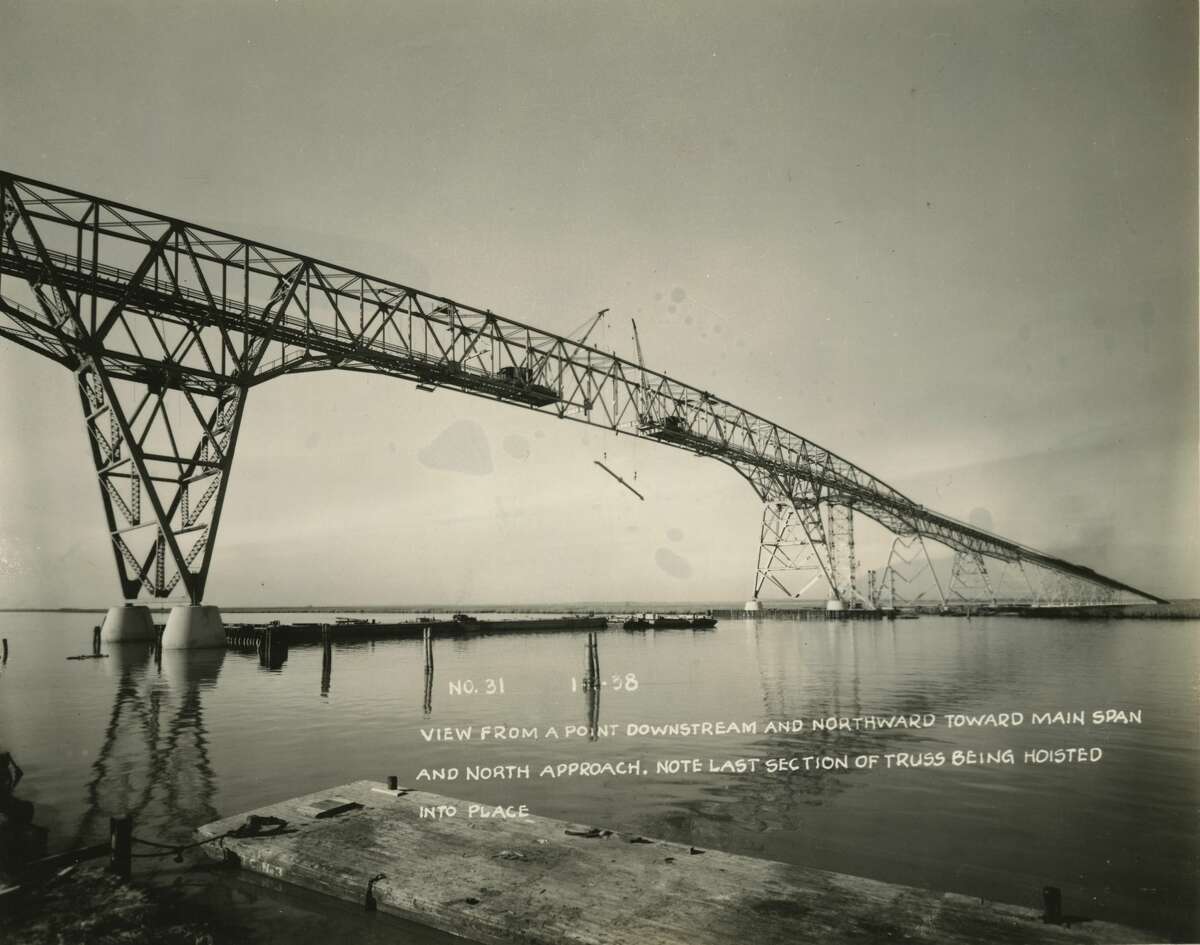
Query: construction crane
[[641, 364], [590, 328], [637, 343]]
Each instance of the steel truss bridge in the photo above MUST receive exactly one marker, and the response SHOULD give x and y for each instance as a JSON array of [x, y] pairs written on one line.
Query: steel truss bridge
[[167, 326]]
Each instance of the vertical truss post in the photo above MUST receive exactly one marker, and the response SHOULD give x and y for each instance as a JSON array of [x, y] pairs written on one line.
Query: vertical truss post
[[793, 544], [909, 562], [1034, 597], [969, 581], [1011, 585], [843, 566], [785, 549]]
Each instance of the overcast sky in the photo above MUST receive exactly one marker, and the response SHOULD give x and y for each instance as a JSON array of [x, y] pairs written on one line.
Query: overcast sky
[[954, 242]]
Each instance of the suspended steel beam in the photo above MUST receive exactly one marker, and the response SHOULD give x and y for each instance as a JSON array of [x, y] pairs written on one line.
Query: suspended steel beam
[[619, 479]]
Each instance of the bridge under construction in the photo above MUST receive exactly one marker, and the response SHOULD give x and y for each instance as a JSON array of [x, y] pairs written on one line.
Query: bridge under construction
[[166, 327]]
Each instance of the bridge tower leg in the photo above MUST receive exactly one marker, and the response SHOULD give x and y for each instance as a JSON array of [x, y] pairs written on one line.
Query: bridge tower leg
[[909, 562], [162, 405], [162, 458], [786, 550], [969, 580], [843, 564]]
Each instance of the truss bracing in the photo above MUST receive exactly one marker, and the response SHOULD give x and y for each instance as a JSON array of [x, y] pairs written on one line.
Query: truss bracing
[[969, 580], [787, 550], [909, 577], [843, 564], [167, 325]]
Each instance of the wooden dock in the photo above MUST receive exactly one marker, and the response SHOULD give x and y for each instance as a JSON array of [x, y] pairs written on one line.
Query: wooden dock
[[538, 880]]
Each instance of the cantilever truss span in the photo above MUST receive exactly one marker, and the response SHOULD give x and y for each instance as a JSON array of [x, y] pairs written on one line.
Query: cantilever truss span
[[166, 327]]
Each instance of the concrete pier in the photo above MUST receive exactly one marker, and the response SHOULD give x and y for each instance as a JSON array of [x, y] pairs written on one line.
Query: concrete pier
[[192, 627], [474, 872], [130, 623]]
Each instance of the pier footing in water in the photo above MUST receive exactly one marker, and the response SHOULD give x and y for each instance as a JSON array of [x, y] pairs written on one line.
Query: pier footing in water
[[130, 623], [193, 627]]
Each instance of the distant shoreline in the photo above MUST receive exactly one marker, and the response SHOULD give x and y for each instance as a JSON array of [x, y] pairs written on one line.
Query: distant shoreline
[[1187, 609]]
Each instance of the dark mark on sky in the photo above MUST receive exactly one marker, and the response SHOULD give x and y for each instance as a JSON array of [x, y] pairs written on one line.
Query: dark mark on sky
[[516, 446], [462, 447], [672, 563]]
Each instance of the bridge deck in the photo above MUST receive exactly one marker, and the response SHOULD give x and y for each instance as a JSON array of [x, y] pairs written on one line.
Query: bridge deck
[[538, 880]]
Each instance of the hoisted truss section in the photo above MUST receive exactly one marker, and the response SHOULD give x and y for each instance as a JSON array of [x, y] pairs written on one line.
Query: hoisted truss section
[[124, 296]]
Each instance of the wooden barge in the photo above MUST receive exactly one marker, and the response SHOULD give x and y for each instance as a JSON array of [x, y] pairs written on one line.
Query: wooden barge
[[247, 635]]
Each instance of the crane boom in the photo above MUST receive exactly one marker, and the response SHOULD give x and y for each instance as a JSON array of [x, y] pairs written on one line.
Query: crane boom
[[595, 321]]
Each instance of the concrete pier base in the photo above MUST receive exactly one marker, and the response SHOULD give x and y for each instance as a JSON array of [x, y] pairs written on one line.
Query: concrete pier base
[[834, 604], [752, 606], [131, 623], [512, 878], [193, 627]]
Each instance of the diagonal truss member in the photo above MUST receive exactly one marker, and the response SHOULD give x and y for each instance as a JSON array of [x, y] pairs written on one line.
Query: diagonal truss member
[[162, 441], [166, 325]]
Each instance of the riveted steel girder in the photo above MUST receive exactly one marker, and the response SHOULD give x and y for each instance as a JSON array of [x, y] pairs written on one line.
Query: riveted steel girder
[[124, 296]]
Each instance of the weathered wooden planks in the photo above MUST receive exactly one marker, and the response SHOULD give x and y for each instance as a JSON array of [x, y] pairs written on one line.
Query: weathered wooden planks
[[527, 880]]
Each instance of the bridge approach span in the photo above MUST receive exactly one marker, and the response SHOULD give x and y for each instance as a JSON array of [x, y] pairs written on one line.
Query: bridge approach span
[[167, 325]]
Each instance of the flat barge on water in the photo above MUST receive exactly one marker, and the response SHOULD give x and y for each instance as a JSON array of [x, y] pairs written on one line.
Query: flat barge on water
[[670, 622], [350, 629]]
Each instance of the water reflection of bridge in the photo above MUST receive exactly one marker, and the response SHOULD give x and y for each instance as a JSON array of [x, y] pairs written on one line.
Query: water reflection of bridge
[[154, 761], [822, 671]]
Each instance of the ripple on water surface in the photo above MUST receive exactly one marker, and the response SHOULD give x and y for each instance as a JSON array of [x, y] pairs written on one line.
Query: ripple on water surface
[[193, 736]]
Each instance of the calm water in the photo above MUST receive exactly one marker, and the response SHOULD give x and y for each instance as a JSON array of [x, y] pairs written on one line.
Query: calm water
[[209, 734]]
